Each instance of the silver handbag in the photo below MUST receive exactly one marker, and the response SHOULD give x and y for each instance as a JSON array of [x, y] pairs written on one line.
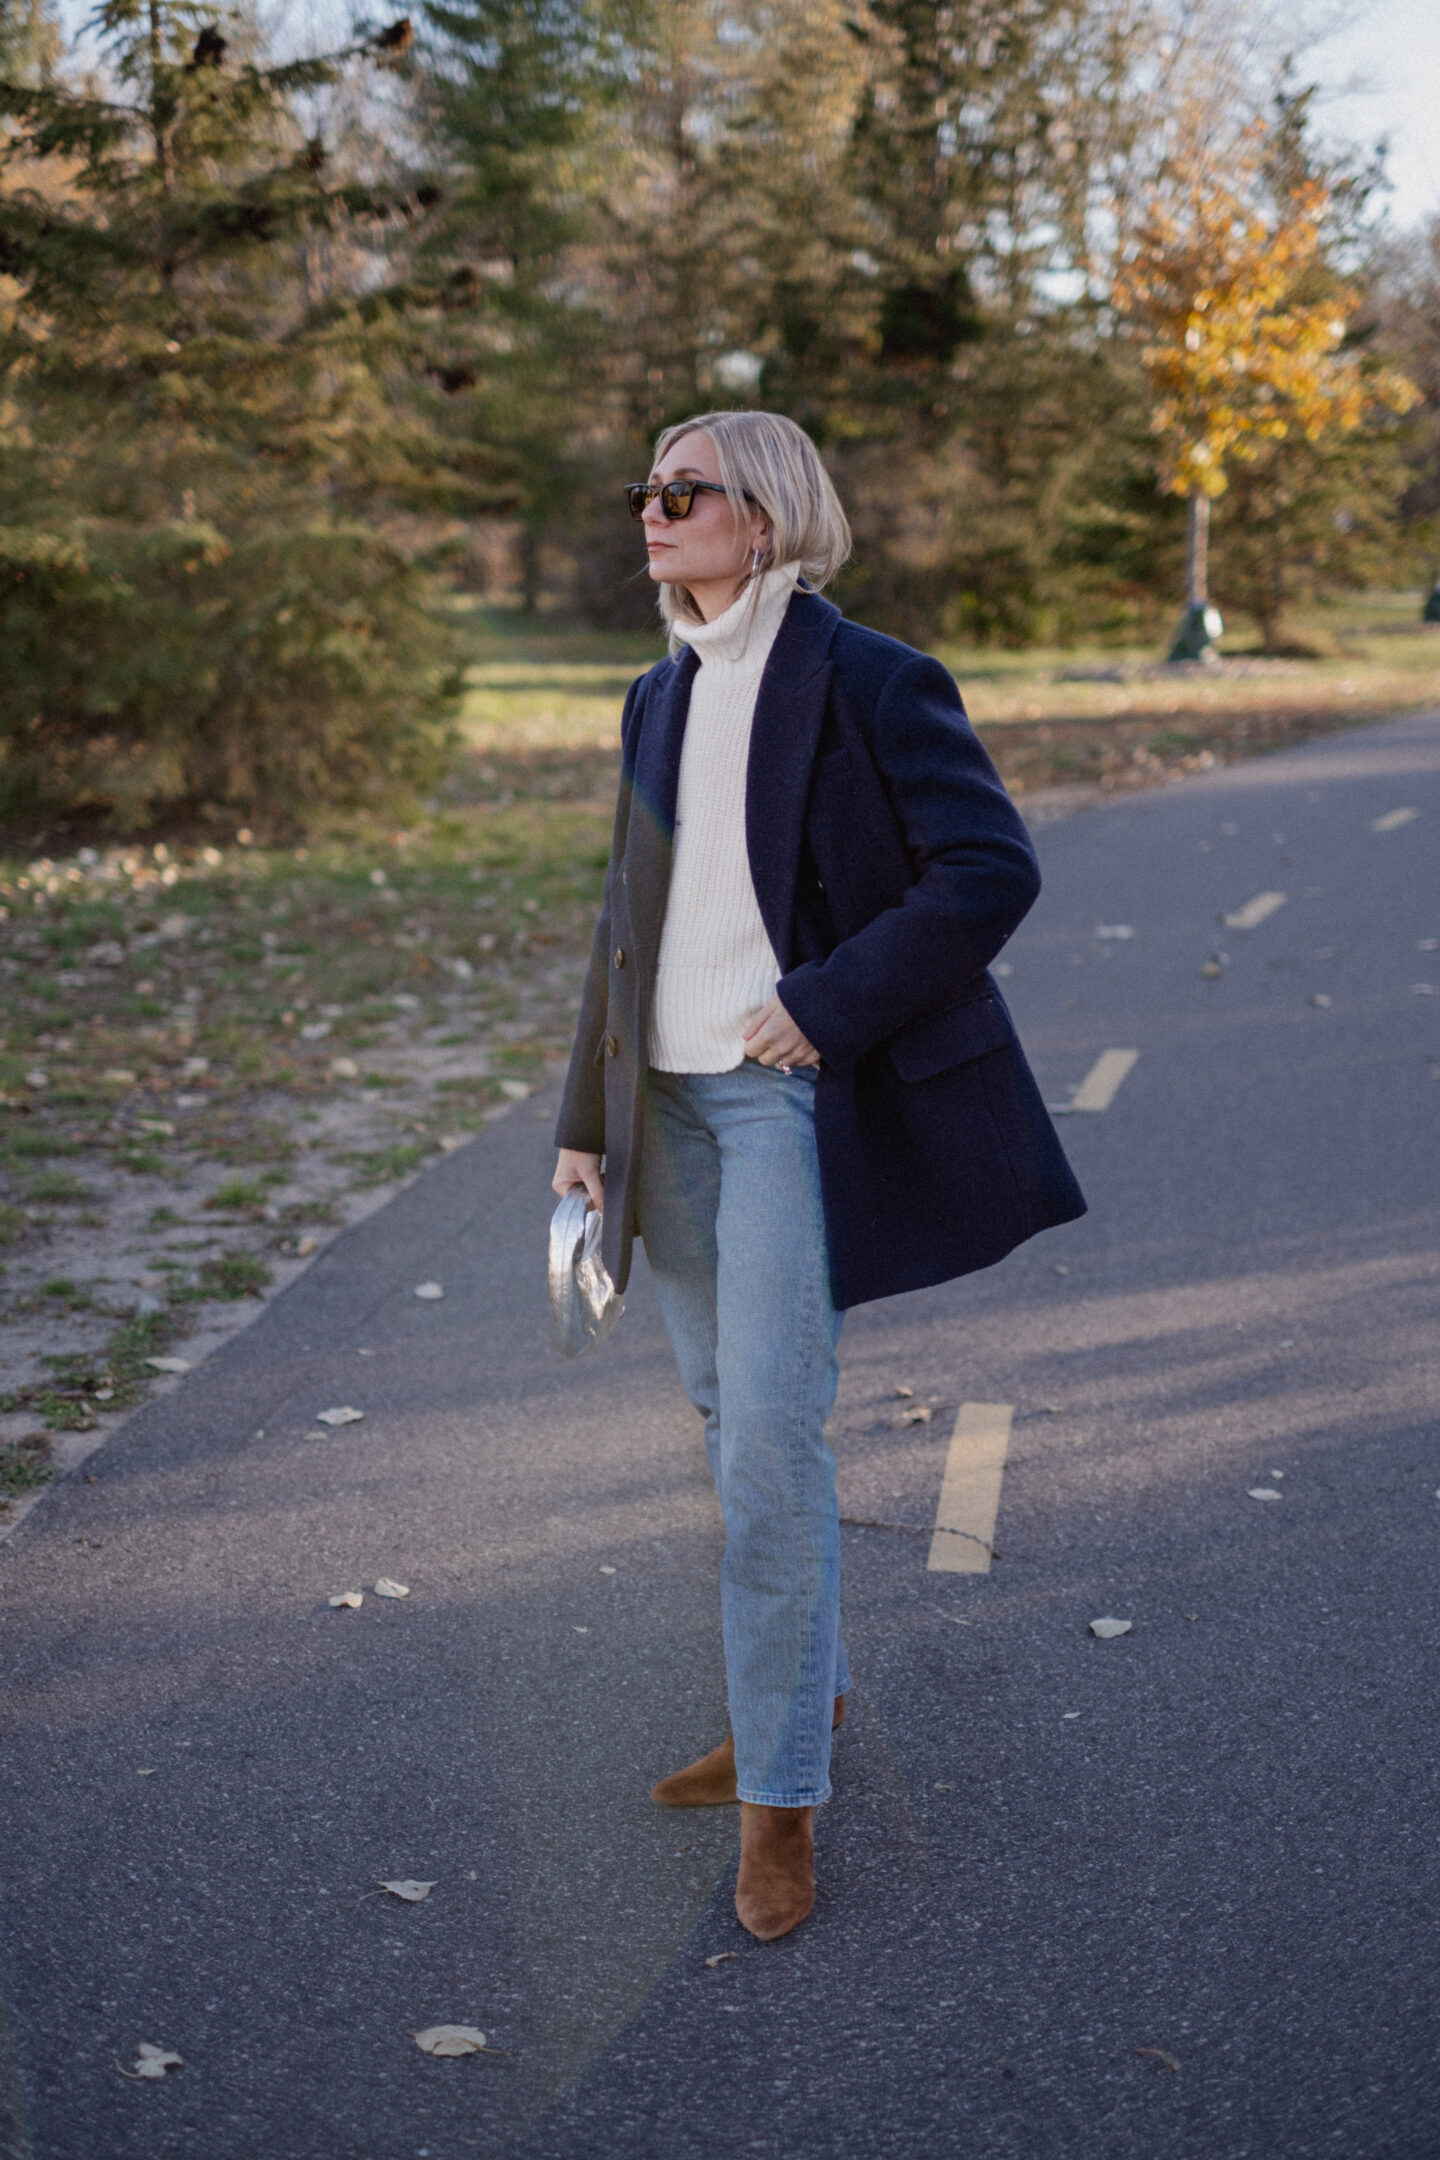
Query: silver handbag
[[584, 1303]]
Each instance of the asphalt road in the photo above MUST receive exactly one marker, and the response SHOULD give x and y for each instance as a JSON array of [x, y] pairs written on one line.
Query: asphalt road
[[1213, 1839]]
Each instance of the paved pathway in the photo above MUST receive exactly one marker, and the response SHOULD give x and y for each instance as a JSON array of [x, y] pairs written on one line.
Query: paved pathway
[[1054, 1866]]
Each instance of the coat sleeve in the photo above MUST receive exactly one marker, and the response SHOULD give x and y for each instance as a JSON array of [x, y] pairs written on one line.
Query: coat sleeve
[[977, 876], [581, 1122]]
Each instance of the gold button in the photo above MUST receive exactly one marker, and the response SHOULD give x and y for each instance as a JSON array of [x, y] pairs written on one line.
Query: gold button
[[619, 956], [612, 1048]]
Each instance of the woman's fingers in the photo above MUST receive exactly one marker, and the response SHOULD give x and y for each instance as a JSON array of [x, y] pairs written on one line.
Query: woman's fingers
[[773, 1039], [573, 1167]]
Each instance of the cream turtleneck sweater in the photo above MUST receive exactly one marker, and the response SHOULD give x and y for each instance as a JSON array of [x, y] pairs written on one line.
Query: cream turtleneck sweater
[[716, 966]]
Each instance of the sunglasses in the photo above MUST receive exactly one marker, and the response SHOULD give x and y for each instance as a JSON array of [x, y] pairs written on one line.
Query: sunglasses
[[677, 497]]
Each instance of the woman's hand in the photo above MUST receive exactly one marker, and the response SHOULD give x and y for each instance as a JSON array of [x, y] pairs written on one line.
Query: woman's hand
[[576, 1168], [772, 1038]]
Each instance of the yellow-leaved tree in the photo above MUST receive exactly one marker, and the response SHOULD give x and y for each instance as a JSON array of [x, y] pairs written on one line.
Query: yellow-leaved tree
[[1244, 320]]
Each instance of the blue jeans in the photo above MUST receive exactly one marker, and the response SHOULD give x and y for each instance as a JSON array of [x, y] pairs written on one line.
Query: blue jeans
[[729, 1208]]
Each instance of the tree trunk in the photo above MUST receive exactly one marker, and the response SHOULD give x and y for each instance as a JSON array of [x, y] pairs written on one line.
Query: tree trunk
[[1197, 550], [529, 571]]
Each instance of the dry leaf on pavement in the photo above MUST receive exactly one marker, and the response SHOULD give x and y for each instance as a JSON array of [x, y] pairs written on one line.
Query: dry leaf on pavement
[[429, 1290], [1263, 1492], [344, 1414], [1107, 1628], [414, 1893], [151, 2061], [722, 1957], [917, 1414], [1167, 2061], [386, 1588], [351, 1598], [168, 1364], [449, 2040]]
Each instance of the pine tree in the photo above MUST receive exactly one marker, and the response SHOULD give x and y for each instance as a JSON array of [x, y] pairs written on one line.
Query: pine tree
[[218, 391]]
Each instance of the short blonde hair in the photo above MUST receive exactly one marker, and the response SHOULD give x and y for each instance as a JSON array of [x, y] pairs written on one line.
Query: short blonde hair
[[770, 459]]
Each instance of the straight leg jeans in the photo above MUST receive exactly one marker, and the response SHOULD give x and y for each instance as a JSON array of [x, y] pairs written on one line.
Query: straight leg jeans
[[729, 1210]]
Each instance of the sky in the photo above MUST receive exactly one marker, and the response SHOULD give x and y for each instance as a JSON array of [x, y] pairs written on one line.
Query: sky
[[1383, 76]]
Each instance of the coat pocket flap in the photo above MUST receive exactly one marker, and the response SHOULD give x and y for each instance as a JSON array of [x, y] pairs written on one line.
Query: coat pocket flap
[[936, 1041]]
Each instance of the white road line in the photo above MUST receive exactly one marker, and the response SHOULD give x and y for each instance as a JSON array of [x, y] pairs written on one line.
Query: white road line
[[1101, 1084], [1393, 820], [970, 1495], [1254, 911]]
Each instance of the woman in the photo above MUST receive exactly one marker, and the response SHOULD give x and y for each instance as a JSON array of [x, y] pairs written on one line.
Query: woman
[[792, 1077]]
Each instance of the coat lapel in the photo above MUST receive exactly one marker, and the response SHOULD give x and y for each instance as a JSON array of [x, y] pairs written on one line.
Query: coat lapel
[[789, 712], [650, 843]]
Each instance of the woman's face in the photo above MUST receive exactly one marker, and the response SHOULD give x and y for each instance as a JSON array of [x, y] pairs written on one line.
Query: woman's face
[[703, 551]]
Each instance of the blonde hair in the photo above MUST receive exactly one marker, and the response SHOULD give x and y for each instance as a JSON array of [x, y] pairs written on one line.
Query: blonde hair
[[770, 459]]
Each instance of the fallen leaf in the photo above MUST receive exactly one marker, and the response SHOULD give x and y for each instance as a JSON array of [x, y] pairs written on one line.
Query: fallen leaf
[[414, 1893], [151, 2062], [354, 1599], [145, 1773], [305, 1246], [1321, 1000], [1107, 1628], [1167, 2062], [429, 1291], [721, 1957], [1263, 1492], [169, 1364], [449, 2040], [344, 1415], [159, 1125], [386, 1588], [917, 1414], [905, 1391], [1212, 969], [344, 1069], [119, 1076], [607, 1570], [514, 1090]]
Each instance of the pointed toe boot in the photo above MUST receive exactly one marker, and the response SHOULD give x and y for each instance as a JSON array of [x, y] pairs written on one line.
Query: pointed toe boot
[[776, 1886], [710, 1782]]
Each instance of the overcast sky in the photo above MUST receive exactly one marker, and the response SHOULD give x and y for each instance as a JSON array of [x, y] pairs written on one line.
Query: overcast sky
[[1392, 56]]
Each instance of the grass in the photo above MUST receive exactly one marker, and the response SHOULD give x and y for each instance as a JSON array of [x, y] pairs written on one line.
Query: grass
[[25, 1464]]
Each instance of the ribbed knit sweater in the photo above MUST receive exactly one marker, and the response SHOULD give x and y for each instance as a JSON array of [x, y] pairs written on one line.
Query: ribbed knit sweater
[[717, 967]]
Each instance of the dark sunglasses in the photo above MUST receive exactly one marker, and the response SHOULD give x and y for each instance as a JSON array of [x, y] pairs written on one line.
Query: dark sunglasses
[[677, 497]]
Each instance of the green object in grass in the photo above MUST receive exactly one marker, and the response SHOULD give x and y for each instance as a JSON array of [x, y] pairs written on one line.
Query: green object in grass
[[1200, 626]]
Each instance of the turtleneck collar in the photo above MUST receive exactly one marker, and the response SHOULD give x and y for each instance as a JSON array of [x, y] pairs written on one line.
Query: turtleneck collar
[[750, 622]]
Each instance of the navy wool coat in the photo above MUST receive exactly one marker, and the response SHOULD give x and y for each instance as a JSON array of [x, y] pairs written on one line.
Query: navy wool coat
[[890, 867]]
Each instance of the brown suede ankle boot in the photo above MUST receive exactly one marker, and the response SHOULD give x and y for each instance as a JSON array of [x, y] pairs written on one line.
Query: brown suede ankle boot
[[776, 1888], [711, 1781]]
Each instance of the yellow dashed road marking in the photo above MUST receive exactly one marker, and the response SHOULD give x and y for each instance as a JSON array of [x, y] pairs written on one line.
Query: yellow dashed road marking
[[970, 1495]]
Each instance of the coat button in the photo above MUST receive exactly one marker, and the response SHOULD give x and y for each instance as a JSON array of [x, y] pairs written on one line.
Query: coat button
[[612, 1048], [619, 956]]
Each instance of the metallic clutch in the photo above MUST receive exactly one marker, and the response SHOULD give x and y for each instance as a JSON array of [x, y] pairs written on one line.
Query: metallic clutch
[[584, 1303]]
